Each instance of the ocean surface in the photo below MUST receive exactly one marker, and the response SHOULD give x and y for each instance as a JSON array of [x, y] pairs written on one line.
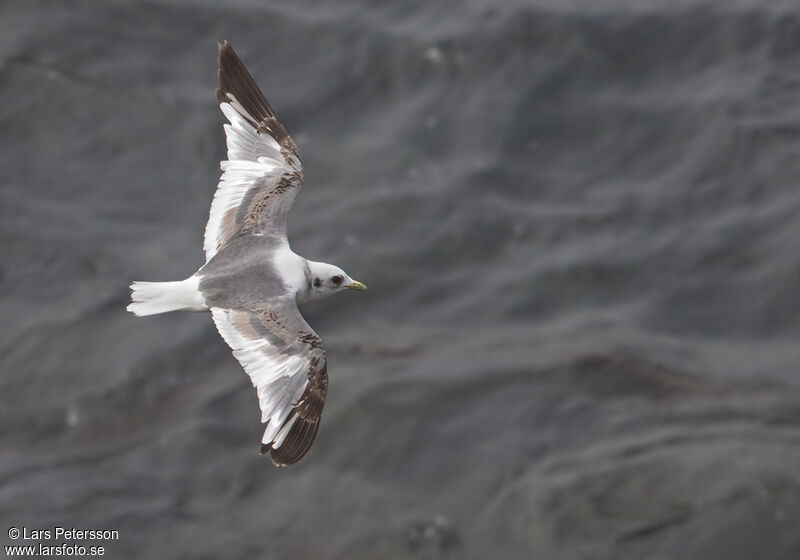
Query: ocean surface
[[579, 222]]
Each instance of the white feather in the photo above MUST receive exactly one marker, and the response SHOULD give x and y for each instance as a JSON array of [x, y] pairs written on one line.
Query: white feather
[[281, 437], [150, 298], [279, 379], [252, 157]]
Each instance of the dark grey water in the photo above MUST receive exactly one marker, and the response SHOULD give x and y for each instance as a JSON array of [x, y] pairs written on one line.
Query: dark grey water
[[579, 223]]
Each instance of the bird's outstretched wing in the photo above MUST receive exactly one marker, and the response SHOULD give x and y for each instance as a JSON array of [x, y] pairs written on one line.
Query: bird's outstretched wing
[[286, 363], [263, 171]]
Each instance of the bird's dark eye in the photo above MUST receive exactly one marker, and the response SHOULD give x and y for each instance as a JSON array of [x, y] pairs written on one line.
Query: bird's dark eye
[[317, 282], [337, 279]]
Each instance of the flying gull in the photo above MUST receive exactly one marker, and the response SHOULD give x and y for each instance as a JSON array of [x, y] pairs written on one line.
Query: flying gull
[[252, 281]]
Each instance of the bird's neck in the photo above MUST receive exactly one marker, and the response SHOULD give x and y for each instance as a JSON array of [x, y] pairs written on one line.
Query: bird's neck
[[293, 269], [306, 291]]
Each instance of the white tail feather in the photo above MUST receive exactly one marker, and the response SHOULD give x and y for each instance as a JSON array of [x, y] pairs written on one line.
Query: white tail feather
[[150, 298]]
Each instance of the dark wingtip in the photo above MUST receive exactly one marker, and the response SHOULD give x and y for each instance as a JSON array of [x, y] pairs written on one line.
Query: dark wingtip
[[224, 47], [297, 443], [234, 79], [236, 82]]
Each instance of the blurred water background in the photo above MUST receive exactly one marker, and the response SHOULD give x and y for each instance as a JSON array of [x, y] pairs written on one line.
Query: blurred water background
[[579, 223]]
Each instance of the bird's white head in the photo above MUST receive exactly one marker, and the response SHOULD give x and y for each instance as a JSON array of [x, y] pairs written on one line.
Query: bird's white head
[[325, 279]]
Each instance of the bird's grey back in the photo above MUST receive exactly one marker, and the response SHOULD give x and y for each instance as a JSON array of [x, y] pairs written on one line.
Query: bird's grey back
[[242, 273]]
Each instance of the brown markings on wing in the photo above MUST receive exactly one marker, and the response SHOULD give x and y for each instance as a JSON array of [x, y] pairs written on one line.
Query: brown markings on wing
[[262, 200], [308, 408], [264, 207]]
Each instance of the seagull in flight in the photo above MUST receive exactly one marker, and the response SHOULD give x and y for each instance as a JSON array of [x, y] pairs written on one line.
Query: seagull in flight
[[252, 281]]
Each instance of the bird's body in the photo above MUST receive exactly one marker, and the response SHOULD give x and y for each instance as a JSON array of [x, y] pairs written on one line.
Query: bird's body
[[252, 281]]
